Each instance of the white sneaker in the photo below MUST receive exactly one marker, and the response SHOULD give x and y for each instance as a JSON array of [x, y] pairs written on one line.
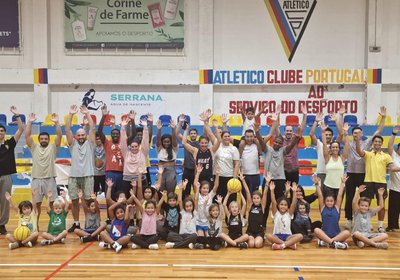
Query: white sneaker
[[321, 243], [191, 246], [134, 246], [169, 245], [13, 245], [348, 224], [62, 241], [381, 230], [154, 246], [103, 244], [28, 244], [360, 244], [117, 247]]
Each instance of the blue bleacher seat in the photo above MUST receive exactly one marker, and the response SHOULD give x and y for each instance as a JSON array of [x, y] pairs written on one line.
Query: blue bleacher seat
[[187, 118], [153, 161], [351, 120], [165, 120], [307, 153], [310, 120], [143, 117], [328, 122], [3, 119], [14, 119]]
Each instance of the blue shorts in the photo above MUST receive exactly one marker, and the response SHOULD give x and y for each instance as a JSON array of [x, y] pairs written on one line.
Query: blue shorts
[[283, 237], [202, 228], [89, 230]]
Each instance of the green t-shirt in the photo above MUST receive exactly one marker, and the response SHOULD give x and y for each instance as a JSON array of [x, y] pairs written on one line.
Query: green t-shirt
[[57, 223]]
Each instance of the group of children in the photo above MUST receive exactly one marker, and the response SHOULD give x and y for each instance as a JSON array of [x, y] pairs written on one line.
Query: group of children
[[198, 223]]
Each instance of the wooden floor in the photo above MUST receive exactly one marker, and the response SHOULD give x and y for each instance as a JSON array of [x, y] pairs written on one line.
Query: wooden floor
[[75, 260]]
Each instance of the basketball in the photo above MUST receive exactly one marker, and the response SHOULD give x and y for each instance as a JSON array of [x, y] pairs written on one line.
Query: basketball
[[234, 185], [21, 233], [99, 163]]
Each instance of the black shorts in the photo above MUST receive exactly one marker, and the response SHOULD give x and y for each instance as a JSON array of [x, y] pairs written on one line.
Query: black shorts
[[234, 235], [258, 234], [372, 190]]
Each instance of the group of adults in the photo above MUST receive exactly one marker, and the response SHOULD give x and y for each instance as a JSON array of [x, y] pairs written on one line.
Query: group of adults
[[123, 157]]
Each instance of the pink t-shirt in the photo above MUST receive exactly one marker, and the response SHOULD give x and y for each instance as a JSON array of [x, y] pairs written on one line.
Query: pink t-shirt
[[149, 224], [132, 162], [291, 162]]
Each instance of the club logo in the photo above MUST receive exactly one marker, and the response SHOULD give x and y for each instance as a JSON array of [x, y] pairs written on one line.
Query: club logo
[[290, 18]]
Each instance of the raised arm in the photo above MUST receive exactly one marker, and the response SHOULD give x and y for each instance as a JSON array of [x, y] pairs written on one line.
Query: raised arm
[[273, 200], [207, 129], [246, 188], [182, 119], [242, 112], [92, 127], [131, 116], [359, 151], [303, 111], [262, 111], [243, 208], [217, 137], [357, 197], [104, 114], [216, 182], [382, 112], [225, 119], [317, 184], [124, 137], [188, 147], [274, 128], [158, 142], [341, 191], [68, 133], [268, 179], [339, 123], [391, 139], [161, 202], [138, 203], [28, 130], [110, 185], [346, 148], [150, 123], [56, 120], [318, 120], [261, 141], [172, 125], [324, 143], [127, 213], [83, 202], [182, 187], [63, 194], [17, 134], [292, 208], [226, 210]]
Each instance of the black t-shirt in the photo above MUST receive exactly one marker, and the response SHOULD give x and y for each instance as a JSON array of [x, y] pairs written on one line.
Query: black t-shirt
[[206, 160], [188, 162], [7, 157], [171, 217]]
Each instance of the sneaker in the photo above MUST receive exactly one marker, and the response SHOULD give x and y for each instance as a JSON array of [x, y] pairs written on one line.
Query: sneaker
[[3, 230], [381, 230], [104, 245], [134, 246], [198, 246], [46, 242], [108, 222], [85, 239], [360, 244], [154, 246], [169, 245], [225, 244], [216, 247], [348, 224], [388, 229], [191, 246], [13, 245], [277, 246], [322, 243], [243, 245], [117, 247], [28, 244], [293, 247], [73, 227], [62, 240], [382, 245], [306, 239], [339, 245]]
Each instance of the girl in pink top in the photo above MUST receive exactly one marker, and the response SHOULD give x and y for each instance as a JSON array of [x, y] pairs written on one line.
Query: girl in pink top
[[148, 233], [135, 156]]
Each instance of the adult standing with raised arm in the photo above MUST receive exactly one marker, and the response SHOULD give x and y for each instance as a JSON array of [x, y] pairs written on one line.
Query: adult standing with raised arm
[[44, 156], [82, 158], [292, 158], [167, 149], [376, 163], [394, 185], [356, 166], [114, 160], [7, 167], [189, 165]]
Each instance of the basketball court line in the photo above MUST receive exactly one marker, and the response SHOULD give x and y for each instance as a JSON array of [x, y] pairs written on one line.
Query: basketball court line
[[311, 267]]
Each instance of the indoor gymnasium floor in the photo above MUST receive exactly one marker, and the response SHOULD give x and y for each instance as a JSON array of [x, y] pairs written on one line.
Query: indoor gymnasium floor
[[74, 260]]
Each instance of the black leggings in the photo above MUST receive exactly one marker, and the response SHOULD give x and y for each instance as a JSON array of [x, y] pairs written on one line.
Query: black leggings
[[394, 209], [189, 175], [355, 180], [215, 243], [144, 240], [181, 240]]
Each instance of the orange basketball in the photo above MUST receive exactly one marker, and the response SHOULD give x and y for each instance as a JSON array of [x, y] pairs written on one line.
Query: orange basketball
[[99, 163]]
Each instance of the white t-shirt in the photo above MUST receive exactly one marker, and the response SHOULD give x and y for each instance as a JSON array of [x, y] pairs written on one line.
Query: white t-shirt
[[282, 223], [250, 162], [394, 181], [248, 124], [224, 158], [202, 209], [188, 222], [321, 166]]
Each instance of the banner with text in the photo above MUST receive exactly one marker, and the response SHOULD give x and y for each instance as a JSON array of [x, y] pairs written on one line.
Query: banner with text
[[290, 76], [314, 101], [137, 24], [9, 24]]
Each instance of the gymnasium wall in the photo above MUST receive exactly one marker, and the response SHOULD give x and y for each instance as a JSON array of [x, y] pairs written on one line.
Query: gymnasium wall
[[221, 35]]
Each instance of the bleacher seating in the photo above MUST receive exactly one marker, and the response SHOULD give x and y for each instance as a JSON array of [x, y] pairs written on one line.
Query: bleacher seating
[[109, 120], [48, 121], [351, 120], [218, 118], [235, 121], [74, 120], [388, 120], [292, 120], [329, 122], [14, 119], [310, 120], [165, 120]]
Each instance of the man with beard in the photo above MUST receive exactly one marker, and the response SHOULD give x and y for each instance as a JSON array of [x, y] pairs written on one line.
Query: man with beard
[[82, 159], [7, 167], [114, 160], [43, 161]]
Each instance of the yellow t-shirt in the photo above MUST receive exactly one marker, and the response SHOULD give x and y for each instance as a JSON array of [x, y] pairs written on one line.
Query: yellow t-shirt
[[375, 166], [29, 220]]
